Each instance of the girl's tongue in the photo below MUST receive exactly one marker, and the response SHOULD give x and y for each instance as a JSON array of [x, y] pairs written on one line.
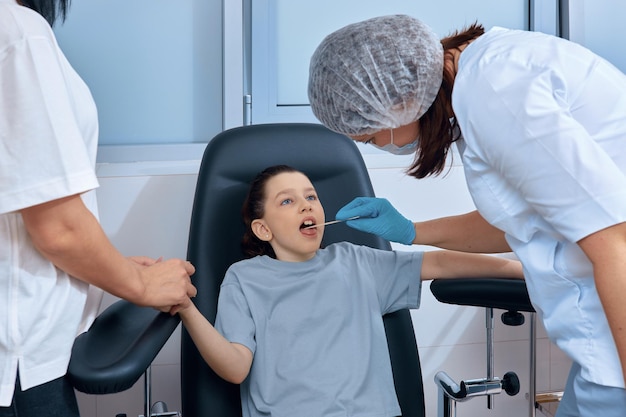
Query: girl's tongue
[[309, 232]]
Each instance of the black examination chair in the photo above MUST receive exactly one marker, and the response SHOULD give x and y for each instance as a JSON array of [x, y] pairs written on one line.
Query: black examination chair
[[333, 163]]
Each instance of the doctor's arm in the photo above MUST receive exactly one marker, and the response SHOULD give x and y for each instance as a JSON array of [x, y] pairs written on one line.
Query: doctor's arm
[[468, 232], [66, 233], [606, 249], [231, 361]]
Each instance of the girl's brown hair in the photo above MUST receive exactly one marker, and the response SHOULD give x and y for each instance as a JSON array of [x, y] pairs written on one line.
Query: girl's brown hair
[[437, 131], [254, 208]]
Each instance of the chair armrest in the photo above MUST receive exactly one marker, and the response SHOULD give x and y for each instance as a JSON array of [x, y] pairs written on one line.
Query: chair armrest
[[503, 293], [119, 346]]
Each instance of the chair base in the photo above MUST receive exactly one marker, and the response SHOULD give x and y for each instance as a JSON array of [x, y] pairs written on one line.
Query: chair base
[[159, 408]]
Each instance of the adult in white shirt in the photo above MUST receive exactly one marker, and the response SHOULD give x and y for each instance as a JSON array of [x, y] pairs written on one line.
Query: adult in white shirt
[[53, 252], [540, 124]]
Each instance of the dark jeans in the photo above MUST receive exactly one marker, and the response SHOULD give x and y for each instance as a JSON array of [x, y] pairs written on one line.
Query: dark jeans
[[52, 399]]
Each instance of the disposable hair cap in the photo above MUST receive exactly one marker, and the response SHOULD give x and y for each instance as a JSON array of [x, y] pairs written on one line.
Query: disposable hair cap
[[378, 74]]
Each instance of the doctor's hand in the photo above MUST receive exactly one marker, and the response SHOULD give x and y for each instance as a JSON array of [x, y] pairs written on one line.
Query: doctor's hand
[[379, 217]]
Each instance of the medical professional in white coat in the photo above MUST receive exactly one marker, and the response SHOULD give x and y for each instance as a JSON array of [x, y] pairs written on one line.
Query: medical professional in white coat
[[540, 124], [54, 256]]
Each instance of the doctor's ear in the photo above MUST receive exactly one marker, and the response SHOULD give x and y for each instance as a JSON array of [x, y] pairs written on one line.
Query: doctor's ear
[[261, 230]]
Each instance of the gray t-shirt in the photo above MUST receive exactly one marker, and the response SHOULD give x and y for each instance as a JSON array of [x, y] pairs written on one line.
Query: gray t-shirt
[[316, 329]]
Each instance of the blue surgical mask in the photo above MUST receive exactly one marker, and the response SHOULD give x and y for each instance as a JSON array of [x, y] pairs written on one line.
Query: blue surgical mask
[[392, 148]]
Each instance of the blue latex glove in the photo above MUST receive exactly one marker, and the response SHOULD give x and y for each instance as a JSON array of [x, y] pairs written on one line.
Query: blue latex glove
[[379, 217]]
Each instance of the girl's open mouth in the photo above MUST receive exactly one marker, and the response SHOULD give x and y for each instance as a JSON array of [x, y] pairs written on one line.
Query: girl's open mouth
[[308, 227], [307, 223]]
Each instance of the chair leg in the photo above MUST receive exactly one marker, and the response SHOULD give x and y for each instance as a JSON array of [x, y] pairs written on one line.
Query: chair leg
[[159, 408], [446, 406], [536, 400], [147, 391], [532, 380], [489, 324], [450, 392]]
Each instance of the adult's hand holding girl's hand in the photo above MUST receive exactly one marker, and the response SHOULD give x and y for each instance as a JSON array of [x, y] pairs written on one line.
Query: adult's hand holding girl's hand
[[379, 217], [167, 283], [178, 308]]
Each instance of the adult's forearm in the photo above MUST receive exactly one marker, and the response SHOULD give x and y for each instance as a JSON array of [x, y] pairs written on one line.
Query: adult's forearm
[[67, 234], [468, 232], [606, 250], [611, 285]]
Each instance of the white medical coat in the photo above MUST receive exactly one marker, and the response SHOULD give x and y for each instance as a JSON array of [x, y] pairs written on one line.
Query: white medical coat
[[544, 153], [48, 144]]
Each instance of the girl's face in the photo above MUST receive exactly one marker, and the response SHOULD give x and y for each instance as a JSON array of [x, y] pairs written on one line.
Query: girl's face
[[291, 204]]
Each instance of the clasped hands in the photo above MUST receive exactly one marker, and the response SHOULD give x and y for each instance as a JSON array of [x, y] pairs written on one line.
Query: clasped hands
[[167, 284]]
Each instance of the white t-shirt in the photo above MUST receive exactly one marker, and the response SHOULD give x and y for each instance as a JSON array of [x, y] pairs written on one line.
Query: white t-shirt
[[544, 151], [48, 145]]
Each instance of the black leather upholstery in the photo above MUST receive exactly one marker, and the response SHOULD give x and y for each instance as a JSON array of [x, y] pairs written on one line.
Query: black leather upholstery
[[118, 348], [231, 160], [501, 293]]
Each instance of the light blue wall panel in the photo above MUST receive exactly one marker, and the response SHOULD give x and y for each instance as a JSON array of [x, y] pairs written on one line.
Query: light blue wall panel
[[154, 67]]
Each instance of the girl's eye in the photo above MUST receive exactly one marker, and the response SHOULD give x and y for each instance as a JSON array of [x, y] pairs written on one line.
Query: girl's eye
[[285, 201], [312, 198]]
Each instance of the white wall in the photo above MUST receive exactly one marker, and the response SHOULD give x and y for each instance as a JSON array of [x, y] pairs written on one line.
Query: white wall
[[145, 209]]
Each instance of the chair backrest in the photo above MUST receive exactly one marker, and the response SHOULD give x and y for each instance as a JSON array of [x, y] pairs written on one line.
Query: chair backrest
[[231, 160]]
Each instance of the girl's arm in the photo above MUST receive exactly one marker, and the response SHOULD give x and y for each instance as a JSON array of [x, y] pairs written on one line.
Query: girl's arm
[[451, 264], [231, 361]]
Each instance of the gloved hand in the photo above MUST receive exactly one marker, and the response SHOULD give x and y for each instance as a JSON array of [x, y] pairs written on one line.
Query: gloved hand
[[379, 217]]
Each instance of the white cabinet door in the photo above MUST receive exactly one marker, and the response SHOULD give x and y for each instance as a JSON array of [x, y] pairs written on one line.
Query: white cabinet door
[[598, 25], [284, 34]]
